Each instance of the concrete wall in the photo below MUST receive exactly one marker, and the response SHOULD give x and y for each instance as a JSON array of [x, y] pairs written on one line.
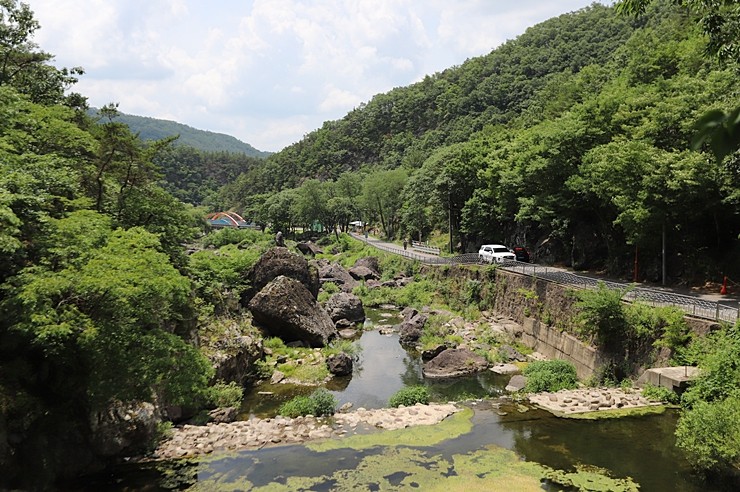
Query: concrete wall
[[554, 344]]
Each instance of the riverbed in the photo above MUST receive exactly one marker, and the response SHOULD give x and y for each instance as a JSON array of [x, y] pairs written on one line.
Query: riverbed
[[638, 447]]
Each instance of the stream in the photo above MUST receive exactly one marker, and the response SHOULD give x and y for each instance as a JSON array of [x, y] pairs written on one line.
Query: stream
[[638, 447]]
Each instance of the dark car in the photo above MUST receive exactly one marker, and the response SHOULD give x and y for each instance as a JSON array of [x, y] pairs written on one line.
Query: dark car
[[521, 254]]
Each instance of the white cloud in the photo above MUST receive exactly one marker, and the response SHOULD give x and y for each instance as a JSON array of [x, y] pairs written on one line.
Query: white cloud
[[269, 71]]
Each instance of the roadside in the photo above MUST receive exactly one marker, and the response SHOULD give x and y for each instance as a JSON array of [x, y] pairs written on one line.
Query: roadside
[[710, 292]]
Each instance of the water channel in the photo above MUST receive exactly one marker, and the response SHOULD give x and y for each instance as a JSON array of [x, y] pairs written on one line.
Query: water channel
[[640, 447]]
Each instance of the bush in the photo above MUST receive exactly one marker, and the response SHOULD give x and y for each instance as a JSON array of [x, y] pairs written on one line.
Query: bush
[[222, 394], [411, 395], [318, 403], [603, 316], [550, 375], [660, 393], [226, 236], [710, 434]]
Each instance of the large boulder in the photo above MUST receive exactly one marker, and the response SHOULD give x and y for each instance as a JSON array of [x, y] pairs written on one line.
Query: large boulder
[[337, 274], [281, 261], [339, 364], [232, 351], [309, 249], [344, 305], [363, 273], [453, 363], [412, 327], [286, 309], [124, 428], [370, 262]]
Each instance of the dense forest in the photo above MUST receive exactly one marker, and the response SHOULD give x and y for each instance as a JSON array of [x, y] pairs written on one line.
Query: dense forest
[[97, 299], [573, 139]]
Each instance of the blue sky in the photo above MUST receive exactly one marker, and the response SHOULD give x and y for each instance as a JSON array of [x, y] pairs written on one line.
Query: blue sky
[[269, 71]]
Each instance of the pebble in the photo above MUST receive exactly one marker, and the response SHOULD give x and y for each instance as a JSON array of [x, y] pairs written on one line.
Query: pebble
[[191, 440]]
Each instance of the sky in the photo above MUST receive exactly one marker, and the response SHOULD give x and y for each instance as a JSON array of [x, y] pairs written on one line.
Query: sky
[[269, 71]]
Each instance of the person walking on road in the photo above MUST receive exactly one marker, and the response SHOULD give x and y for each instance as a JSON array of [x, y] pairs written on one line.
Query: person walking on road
[[405, 243]]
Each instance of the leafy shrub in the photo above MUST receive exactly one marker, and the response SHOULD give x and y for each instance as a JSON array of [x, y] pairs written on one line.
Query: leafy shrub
[[550, 375], [603, 317], [410, 395], [342, 346], [224, 394], [710, 434], [659, 393], [327, 290], [318, 403], [226, 236]]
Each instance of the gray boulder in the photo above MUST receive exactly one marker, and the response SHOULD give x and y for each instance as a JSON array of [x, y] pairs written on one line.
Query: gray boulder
[[363, 273], [232, 352], [370, 262], [337, 274], [281, 261], [510, 353], [339, 364], [516, 383], [286, 309], [454, 363], [124, 428], [411, 328], [309, 249], [344, 305], [223, 415]]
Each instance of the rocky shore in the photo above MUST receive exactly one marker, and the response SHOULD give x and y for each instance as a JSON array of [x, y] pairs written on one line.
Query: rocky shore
[[192, 440]]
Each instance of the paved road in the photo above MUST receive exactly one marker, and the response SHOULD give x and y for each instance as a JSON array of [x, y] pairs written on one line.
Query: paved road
[[708, 305]]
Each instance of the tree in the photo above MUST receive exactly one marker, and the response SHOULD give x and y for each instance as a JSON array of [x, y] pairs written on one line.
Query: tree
[[26, 68], [382, 193]]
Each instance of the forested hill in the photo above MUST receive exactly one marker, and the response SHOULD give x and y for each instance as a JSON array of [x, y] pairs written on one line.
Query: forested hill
[[573, 139], [156, 129], [404, 125]]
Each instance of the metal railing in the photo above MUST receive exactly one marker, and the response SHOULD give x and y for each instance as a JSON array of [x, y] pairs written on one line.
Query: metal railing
[[694, 306]]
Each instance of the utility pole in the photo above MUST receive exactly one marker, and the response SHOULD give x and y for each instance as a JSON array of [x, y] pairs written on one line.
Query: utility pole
[[449, 214], [663, 253]]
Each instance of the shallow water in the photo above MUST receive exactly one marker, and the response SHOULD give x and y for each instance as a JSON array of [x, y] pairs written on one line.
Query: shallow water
[[640, 447]]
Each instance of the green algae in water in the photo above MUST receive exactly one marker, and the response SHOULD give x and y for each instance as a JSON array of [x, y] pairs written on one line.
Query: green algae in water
[[592, 479], [420, 436]]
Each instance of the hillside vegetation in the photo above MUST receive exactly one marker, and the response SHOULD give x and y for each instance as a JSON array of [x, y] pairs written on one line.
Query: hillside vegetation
[[148, 128], [573, 139]]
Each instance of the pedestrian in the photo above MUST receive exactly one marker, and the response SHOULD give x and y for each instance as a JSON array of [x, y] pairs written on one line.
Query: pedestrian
[[405, 243], [279, 239]]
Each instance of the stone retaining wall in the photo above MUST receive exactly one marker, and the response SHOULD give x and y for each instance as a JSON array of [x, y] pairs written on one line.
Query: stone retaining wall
[[554, 344]]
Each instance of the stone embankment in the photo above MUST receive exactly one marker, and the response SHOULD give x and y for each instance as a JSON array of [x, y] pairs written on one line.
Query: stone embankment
[[582, 400], [194, 440]]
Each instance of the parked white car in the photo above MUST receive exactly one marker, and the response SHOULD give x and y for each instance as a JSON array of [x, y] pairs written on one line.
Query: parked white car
[[495, 253]]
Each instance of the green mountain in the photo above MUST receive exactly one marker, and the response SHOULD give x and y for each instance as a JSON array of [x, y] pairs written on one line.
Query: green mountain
[[156, 129], [574, 139]]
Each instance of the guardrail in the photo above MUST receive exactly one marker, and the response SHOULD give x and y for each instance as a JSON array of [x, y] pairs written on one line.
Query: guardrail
[[694, 306]]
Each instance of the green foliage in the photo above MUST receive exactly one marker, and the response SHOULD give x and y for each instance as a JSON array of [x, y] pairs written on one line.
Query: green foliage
[[550, 375], [409, 396], [709, 433], [342, 346], [603, 317], [717, 356], [220, 275], [328, 289], [241, 237], [224, 394], [318, 403], [660, 393]]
